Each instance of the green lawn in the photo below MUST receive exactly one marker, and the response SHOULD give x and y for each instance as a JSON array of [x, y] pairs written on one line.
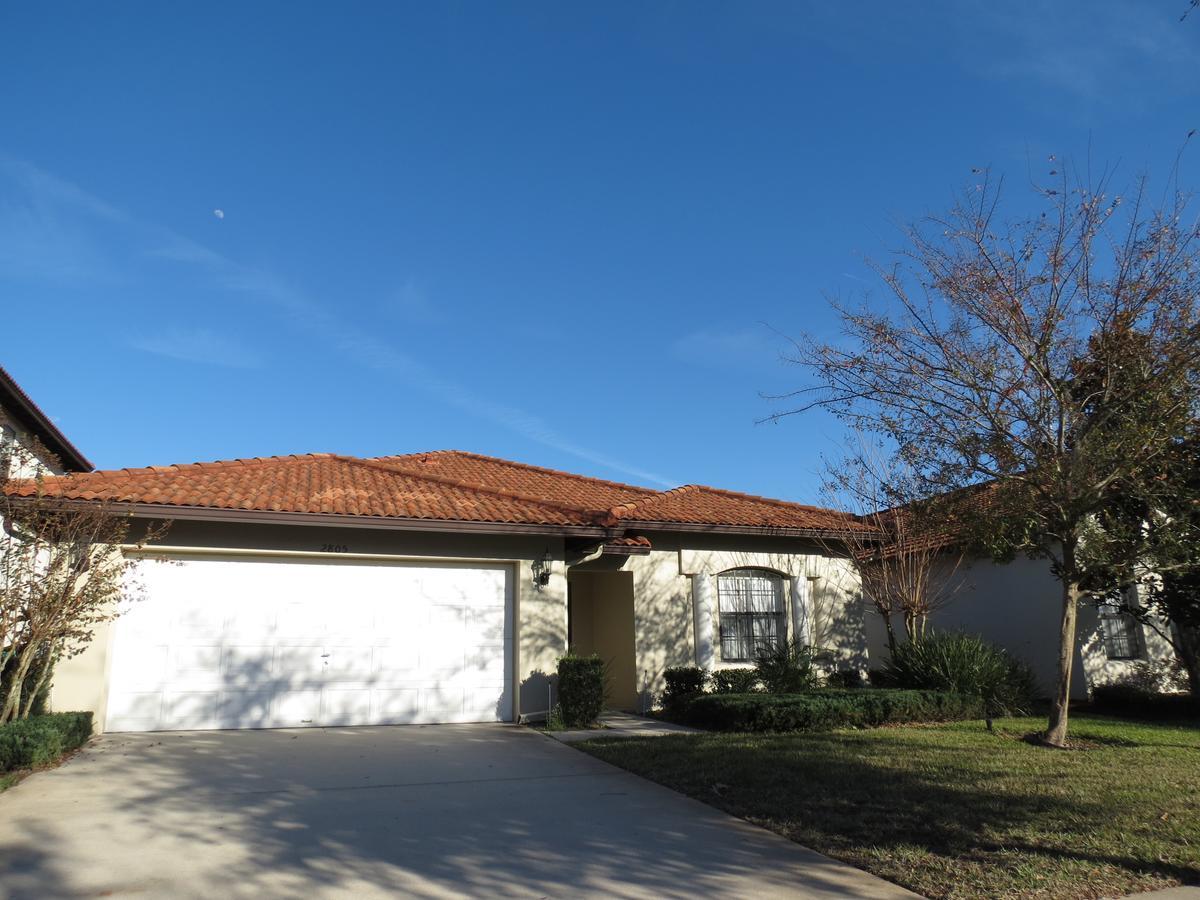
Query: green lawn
[[952, 811]]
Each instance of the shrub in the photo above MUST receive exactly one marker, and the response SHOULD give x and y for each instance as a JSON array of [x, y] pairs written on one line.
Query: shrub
[[42, 739], [880, 678], [966, 664], [683, 684], [846, 678], [580, 689], [735, 681], [1136, 702], [827, 709], [787, 668]]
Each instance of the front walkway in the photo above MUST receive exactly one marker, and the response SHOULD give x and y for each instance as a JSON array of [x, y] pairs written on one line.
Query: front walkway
[[622, 725], [434, 811]]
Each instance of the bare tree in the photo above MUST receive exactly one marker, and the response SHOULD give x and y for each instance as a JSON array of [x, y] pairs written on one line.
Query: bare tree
[[999, 369], [64, 571], [907, 563]]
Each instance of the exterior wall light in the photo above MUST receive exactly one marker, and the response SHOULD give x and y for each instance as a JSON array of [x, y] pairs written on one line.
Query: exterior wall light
[[541, 571]]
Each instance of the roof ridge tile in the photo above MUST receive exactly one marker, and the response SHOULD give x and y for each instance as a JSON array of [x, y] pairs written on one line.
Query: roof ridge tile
[[375, 463], [527, 467]]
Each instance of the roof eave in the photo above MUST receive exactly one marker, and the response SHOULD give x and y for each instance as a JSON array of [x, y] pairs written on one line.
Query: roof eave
[[12, 397], [284, 517], [760, 530]]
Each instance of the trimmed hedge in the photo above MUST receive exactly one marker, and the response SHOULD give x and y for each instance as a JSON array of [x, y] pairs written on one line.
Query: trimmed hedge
[[580, 689], [683, 683], [735, 681], [827, 708], [38, 740], [1133, 702]]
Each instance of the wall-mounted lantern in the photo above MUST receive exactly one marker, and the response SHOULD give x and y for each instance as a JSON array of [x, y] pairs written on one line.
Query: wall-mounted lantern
[[541, 571]]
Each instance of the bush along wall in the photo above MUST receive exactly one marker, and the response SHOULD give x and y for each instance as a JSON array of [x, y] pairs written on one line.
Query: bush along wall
[[40, 740], [683, 683], [580, 689], [827, 709]]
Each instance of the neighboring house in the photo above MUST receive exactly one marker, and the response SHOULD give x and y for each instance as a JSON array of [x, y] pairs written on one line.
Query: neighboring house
[[1018, 606], [23, 425], [438, 587]]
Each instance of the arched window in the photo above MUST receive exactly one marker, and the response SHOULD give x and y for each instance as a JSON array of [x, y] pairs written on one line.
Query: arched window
[[751, 613]]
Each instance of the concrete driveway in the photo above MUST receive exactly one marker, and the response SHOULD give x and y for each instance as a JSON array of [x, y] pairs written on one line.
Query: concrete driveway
[[423, 811]]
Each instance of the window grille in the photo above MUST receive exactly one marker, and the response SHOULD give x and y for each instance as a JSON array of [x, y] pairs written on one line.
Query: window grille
[[751, 613], [1120, 633]]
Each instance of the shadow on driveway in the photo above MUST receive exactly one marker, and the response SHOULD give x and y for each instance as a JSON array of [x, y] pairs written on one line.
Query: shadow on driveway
[[424, 811]]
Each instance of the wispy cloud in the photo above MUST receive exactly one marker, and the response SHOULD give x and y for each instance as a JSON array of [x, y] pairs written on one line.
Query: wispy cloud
[[1095, 53], [307, 313], [729, 349], [199, 345], [412, 303]]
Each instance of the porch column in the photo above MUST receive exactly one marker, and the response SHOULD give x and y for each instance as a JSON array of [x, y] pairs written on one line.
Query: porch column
[[802, 610], [702, 609]]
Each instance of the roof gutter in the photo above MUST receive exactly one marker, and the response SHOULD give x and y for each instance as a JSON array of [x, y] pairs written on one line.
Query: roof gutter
[[274, 517], [391, 523]]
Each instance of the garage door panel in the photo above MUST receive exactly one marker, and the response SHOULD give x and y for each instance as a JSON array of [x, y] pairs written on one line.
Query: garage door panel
[[441, 703], [192, 667], [442, 660], [135, 711], [291, 709], [484, 626], [483, 666], [138, 666], [392, 663], [395, 706], [345, 707], [480, 704], [302, 664], [349, 664], [202, 622], [251, 623], [245, 709], [266, 643], [185, 710], [246, 665]]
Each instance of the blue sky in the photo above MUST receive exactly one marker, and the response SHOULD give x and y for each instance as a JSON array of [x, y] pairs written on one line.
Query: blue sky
[[566, 234]]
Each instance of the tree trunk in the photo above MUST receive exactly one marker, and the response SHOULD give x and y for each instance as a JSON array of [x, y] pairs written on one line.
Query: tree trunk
[[1056, 731], [16, 687], [43, 673], [891, 634], [1187, 648]]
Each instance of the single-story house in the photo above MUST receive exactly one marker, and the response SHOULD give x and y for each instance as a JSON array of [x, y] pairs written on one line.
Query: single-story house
[[443, 587], [437, 587], [1018, 605]]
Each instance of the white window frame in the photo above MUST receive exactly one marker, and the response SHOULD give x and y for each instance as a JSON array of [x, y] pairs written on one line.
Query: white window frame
[[740, 593], [1120, 632]]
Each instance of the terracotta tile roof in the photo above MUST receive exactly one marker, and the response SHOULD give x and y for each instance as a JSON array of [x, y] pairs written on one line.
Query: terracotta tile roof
[[630, 545], [446, 486], [696, 504]]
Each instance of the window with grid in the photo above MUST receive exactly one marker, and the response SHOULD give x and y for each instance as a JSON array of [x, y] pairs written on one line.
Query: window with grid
[[751, 613], [1120, 633]]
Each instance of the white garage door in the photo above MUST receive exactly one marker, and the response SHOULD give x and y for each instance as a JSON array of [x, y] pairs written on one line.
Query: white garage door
[[270, 644]]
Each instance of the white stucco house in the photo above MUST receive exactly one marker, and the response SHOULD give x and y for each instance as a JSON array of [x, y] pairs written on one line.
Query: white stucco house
[[324, 589], [436, 587], [1018, 604]]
